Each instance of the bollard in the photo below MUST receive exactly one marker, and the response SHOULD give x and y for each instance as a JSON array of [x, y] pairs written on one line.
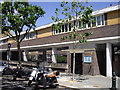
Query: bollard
[[114, 81]]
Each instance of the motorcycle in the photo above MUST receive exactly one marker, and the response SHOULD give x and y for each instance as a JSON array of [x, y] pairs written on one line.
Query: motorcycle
[[19, 72], [44, 77]]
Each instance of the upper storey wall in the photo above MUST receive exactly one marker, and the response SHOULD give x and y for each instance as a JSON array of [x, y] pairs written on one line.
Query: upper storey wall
[[44, 32], [113, 17]]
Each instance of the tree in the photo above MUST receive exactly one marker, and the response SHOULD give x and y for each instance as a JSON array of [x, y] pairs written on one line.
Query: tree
[[73, 13], [18, 17]]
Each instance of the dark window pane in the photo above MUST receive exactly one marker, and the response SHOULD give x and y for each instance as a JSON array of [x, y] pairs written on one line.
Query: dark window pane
[[98, 20], [62, 28], [69, 26], [102, 19], [66, 27], [80, 26], [94, 22], [84, 25]]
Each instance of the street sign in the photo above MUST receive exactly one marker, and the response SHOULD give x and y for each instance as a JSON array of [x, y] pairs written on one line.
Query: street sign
[[9, 45], [87, 59]]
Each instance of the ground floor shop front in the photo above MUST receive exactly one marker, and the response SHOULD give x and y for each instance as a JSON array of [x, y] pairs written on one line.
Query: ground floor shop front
[[104, 59], [90, 58]]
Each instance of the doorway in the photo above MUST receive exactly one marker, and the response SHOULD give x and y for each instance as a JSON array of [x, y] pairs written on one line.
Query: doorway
[[78, 63]]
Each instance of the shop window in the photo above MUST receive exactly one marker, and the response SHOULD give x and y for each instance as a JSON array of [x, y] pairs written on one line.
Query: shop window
[[61, 58]]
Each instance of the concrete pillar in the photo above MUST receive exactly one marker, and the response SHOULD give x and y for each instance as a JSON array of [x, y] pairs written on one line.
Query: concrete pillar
[[69, 61], [25, 53], [54, 56], [108, 60]]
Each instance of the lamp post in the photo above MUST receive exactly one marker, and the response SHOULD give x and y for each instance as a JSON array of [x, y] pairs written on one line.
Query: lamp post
[[9, 46], [114, 81]]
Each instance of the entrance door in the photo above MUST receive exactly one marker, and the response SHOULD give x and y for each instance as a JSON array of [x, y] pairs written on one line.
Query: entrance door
[[78, 63]]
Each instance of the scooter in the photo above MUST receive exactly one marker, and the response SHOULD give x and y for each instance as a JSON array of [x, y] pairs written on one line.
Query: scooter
[[44, 77]]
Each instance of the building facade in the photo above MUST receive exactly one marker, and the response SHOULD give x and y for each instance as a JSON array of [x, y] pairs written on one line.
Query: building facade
[[99, 56]]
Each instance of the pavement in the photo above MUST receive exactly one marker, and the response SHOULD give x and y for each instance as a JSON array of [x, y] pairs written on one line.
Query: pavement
[[86, 81]]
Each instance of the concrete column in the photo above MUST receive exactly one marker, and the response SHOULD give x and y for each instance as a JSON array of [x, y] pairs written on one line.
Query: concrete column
[[54, 57], [108, 60], [69, 61], [25, 53]]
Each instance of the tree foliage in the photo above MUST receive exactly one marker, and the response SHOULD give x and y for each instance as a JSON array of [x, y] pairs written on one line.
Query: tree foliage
[[71, 11], [18, 17]]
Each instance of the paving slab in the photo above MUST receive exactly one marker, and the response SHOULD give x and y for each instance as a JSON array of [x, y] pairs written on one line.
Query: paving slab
[[86, 81]]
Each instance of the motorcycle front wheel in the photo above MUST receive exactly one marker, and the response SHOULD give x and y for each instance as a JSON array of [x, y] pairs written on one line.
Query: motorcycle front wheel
[[14, 78], [44, 82]]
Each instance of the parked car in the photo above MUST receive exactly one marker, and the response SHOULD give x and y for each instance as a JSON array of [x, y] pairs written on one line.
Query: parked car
[[2, 66]]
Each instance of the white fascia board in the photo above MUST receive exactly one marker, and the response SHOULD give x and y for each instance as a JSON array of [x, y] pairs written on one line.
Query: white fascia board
[[44, 26], [4, 38], [104, 39], [67, 43], [105, 10]]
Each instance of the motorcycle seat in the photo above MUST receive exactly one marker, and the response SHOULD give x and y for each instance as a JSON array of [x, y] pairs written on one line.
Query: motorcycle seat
[[51, 75]]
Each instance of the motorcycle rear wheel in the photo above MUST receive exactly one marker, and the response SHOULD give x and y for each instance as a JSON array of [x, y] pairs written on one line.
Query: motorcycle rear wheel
[[29, 83]]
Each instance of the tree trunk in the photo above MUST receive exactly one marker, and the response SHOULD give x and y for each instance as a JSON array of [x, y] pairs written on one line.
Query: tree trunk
[[73, 66], [19, 53], [74, 47]]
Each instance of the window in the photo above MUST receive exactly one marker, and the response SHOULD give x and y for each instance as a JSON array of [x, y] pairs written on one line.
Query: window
[[89, 24], [84, 25], [102, 17], [62, 28], [21, 37], [69, 26], [53, 29], [59, 29], [94, 22], [66, 27], [27, 36], [32, 35], [80, 26], [98, 20], [56, 31], [5, 41]]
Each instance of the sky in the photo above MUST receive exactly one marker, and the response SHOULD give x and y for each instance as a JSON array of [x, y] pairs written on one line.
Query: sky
[[49, 8]]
